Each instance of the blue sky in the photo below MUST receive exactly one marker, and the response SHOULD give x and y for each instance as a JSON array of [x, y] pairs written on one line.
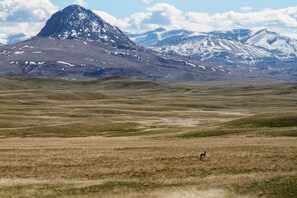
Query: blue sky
[[29, 16], [124, 8]]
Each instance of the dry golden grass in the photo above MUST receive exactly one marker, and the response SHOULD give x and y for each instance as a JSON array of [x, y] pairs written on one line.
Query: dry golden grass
[[113, 166], [123, 138]]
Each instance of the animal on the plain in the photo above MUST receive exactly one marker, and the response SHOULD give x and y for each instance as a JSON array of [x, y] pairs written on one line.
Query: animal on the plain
[[202, 155]]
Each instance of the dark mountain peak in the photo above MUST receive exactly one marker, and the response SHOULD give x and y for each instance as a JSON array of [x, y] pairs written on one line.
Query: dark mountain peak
[[264, 31], [74, 7], [77, 23], [241, 31], [160, 29]]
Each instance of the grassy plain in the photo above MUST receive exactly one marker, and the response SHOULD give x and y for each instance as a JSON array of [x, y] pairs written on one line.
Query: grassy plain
[[119, 137]]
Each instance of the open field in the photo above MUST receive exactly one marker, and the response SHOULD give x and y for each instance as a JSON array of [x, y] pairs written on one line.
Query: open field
[[119, 137]]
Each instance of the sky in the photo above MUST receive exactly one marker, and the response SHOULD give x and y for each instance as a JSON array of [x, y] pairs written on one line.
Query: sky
[[29, 16], [208, 6]]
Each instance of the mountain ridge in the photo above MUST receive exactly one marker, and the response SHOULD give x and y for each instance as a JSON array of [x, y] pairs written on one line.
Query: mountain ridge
[[76, 22], [238, 47], [76, 43]]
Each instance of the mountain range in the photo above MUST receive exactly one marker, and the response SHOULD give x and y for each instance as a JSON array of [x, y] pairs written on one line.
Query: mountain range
[[263, 51], [77, 44]]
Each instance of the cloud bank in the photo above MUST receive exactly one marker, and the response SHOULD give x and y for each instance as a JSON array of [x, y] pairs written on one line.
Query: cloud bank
[[29, 16], [26, 16], [170, 17]]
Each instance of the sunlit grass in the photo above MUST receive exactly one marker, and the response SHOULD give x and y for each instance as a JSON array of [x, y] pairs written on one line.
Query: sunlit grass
[[119, 137]]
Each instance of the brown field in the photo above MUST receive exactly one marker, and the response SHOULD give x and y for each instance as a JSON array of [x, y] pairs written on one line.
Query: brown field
[[124, 138]]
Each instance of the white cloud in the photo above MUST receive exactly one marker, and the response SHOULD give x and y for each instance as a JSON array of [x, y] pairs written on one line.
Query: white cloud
[[268, 18], [80, 2], [26, 16], [27, 28], [161, 14], [26, 10], [170, 17], [246, 9], [158, 15], [121, 23], [147, 1]]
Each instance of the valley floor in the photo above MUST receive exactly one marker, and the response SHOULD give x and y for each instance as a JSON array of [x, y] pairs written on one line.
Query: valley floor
[[125, 138]]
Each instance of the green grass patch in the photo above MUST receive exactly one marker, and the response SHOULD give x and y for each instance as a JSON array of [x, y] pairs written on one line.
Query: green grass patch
[[77, 130], [274, 188], [211, 132], [266, 120], [221, 131]]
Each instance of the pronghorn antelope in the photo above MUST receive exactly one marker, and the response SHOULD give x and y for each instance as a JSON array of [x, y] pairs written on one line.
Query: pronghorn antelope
[[202, 155]]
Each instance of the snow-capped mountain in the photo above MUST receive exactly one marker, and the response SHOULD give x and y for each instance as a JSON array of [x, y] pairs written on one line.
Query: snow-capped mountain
[[76, 22], [9, 39], [153, 38], [239, 47], [77, 43], [278, 45]]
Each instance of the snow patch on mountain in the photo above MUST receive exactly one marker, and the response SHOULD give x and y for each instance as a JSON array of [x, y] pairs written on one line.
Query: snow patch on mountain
[[19, 52], [65, 63]]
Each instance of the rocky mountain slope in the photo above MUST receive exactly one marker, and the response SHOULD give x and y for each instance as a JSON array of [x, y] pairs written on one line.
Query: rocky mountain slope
[[77, 23]]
